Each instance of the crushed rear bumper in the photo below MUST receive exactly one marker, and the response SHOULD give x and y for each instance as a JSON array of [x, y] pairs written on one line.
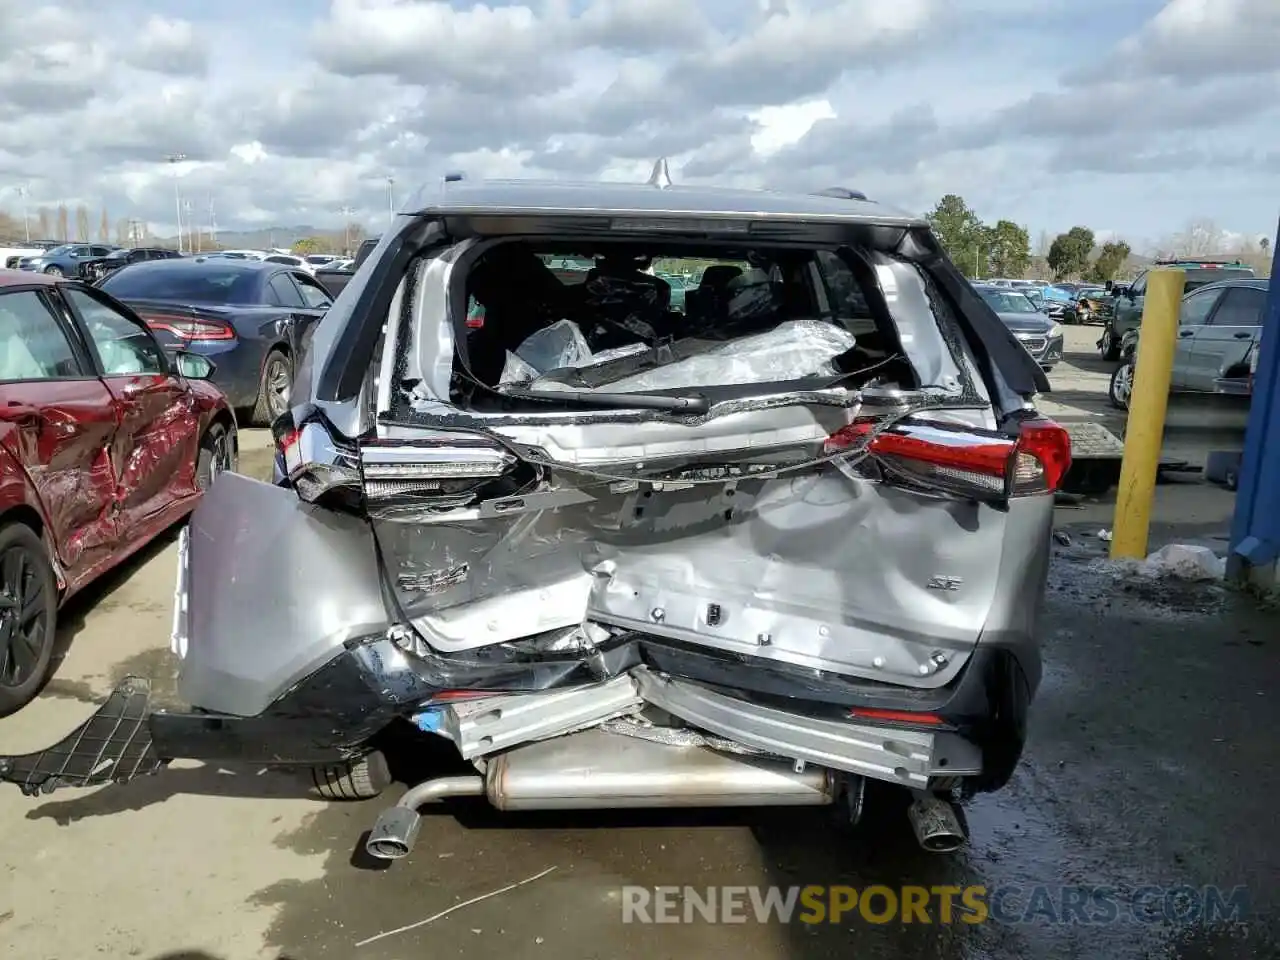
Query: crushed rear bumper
[[336, 714]]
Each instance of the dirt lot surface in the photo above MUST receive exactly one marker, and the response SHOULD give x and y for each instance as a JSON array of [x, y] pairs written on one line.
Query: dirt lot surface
[[1152, 762]]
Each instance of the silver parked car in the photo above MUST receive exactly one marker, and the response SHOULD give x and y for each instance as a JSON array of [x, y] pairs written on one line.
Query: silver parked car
[[1219, 326], [1039, 333], [760, 550]]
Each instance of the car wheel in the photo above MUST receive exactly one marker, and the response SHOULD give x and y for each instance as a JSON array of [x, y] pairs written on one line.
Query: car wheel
[[1121, 388], [216, 456], [28, 616], [54, 271], [274, 390], [1110, 345]]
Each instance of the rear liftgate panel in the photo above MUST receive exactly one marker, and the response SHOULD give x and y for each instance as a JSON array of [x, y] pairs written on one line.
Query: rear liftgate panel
[[820, 568]]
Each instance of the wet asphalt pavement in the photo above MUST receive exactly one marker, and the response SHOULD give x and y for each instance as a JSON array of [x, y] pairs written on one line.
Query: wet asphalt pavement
[[1152, 763]]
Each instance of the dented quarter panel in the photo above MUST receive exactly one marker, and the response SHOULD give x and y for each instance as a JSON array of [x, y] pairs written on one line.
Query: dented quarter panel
[[277, 588]]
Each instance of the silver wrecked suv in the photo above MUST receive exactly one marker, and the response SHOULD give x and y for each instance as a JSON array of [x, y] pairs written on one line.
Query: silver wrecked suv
[[761, 549]]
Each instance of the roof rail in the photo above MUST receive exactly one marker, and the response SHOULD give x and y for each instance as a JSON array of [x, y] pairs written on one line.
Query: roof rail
[[841, 193], [661, 175]]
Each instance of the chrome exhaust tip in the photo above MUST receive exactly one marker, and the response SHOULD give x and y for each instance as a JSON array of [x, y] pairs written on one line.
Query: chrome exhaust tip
[[393, 834], [935, 824], [395, 830]]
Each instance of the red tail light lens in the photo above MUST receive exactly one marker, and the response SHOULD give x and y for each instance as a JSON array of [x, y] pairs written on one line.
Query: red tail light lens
[[968, 461], [1042, 459], [189, 328]]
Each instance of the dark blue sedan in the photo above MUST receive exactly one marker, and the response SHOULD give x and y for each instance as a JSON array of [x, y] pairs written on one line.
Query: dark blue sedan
[[251, 318]]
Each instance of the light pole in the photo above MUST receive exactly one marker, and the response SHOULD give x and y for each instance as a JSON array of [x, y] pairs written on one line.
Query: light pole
[[346, 229], [26, 221], [213, 226], [173, 159], [193, 228], [391, 203]]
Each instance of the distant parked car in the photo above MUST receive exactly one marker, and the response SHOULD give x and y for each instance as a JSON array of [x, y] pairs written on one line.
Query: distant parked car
[[105, 441], [252, 318], [1219, 329], [95, 270], [10, 257], [1055, 301], [1130, 299], [1041, 336], [64, 260], [288, 259], [336, 275], [1086, 305]]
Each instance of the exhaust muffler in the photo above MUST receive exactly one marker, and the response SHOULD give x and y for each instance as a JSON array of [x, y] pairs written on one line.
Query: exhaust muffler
[[598, 770], [935, 824]]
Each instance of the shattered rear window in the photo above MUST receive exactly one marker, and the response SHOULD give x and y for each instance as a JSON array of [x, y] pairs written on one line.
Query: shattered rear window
[[645, 316]]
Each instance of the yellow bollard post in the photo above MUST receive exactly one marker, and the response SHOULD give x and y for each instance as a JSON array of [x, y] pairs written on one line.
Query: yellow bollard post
[[1148, 403]]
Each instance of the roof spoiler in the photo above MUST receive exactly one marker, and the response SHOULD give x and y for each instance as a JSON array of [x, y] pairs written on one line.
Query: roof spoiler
[[841, 193]]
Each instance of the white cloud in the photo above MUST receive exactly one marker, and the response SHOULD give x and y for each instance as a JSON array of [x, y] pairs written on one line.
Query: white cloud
[[1141, 116], [782, 126], [250, 153]]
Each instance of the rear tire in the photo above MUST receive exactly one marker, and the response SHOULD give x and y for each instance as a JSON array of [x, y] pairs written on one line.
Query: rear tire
[[277, 376], [360, 779], [54, 271], [1111, 345], [1120, 388], [28, 616]]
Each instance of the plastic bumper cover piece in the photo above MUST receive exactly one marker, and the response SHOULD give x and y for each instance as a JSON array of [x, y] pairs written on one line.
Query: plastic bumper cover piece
[[112, 746]]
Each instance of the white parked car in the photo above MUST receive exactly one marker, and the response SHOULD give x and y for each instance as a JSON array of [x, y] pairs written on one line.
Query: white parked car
[[242, 254], [9, 256], [293, 261]]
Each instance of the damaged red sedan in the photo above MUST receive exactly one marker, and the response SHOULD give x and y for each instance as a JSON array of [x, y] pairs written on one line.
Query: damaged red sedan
[[105, 441]]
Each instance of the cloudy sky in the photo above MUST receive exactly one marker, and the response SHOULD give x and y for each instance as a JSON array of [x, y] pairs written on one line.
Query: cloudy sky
[[1130, 116]]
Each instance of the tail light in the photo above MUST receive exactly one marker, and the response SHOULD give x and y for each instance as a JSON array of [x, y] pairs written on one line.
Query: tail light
[[442, 471], [189, 328], [965, 461]]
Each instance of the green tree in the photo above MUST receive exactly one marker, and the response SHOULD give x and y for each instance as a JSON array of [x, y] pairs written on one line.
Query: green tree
[[961, 233], [1009, 247], [1110, 259], [309, 245], [1069, 252]]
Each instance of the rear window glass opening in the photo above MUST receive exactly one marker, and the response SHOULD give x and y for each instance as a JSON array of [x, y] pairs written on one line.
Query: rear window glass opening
[[669, 315]]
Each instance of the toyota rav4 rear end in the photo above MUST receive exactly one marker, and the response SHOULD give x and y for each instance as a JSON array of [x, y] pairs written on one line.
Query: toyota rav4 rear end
[[760, 549]]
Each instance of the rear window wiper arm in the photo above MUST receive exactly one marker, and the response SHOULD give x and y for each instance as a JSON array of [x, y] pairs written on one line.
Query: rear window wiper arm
[[690, 403]]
